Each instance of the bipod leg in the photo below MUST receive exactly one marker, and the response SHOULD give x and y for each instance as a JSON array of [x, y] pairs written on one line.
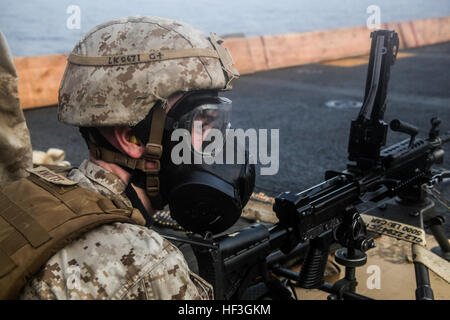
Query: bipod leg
[[423, 290], [423, 286], [350, 258]]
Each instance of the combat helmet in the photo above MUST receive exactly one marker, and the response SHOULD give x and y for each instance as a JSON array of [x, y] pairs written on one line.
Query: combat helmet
[[118, 71]]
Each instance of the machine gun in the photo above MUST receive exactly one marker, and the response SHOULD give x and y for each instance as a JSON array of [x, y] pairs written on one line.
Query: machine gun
[[241, 265]]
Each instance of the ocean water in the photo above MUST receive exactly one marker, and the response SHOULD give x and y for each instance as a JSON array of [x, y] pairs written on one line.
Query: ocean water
[[40, 27]]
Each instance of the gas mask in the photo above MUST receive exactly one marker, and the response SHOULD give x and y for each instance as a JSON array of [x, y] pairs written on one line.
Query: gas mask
[[202, 195]]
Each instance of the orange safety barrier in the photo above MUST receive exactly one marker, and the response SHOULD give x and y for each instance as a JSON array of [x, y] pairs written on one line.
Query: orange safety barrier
[[39, 76]]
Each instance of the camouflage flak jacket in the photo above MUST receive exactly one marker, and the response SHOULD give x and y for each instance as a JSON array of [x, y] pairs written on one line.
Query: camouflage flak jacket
[[115, 261]]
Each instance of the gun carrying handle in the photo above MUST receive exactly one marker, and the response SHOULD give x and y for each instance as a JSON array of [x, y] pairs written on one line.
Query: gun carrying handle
[[401, 126], [313, 268]]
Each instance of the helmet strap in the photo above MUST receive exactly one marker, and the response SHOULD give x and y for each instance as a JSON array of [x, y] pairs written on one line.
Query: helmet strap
[[136, 202], [152, 152]]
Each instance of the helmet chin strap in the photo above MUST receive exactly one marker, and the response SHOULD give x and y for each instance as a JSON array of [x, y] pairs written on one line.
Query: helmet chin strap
[[137, 203], [152, 152]]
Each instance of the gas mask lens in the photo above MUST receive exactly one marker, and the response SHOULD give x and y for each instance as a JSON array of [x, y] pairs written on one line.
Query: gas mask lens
[[207, 125]]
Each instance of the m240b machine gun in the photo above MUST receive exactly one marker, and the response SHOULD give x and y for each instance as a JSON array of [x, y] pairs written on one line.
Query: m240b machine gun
[[327, 214]]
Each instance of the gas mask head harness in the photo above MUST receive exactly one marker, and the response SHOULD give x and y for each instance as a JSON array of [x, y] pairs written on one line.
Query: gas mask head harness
[[202, 197]]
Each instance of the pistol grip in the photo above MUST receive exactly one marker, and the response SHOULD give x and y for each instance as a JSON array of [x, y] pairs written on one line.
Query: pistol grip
[[313, 268]]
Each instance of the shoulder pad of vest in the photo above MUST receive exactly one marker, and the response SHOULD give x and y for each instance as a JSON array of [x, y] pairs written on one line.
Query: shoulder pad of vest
[[52, 176]]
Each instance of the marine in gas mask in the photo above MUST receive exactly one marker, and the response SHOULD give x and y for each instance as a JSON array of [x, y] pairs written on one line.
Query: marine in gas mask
[[129, 85]]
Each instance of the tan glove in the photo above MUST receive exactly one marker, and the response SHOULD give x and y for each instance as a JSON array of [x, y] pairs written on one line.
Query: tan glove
[[52, 156]]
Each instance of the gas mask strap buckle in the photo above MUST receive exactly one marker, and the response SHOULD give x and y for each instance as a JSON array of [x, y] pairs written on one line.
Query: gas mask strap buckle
[[153, 152]]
